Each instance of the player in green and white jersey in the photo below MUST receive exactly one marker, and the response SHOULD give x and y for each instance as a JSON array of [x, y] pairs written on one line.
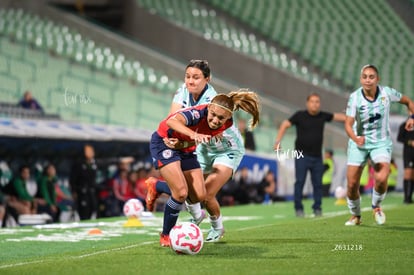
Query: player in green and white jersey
[[367, 125], [218, 159]]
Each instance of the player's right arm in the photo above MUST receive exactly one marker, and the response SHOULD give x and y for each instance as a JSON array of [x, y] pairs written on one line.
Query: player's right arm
[[349, 122], [282, 130]]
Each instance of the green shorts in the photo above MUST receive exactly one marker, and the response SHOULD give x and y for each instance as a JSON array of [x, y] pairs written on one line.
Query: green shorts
[[358, 156], [230, 157]]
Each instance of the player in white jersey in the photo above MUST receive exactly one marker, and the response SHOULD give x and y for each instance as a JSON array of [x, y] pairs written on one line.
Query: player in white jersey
[[218, 160], [367, 125]]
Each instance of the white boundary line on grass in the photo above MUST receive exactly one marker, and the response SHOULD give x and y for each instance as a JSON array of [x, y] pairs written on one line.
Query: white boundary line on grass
[[325, 216], [79, 256]]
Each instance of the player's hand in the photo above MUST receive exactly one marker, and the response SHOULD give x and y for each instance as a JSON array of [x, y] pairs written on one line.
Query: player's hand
[[172, 143], [360, 140], [218, 138], [277, 146], [409, 125], [200, 138]]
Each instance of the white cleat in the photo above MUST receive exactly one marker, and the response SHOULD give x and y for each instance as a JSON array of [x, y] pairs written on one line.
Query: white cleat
[[379, 216], [354, 220]]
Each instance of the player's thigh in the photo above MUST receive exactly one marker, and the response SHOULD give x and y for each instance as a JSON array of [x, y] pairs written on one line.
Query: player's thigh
[[381, 154], [175, 179], [356, 156], [220, 175]]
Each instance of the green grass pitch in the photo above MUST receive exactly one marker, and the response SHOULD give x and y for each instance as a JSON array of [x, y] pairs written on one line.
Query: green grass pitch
[[259, 239]]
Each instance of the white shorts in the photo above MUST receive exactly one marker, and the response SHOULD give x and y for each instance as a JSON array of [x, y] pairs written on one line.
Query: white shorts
[[358, 156], [230, 158]]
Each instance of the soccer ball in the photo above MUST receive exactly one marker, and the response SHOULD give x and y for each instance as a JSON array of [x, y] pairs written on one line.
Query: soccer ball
[[133, 208], [340, 192], [186, 238]]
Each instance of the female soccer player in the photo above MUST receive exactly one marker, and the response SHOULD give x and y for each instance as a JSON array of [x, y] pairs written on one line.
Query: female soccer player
[[218, 161], [179, 167], [367, 125]]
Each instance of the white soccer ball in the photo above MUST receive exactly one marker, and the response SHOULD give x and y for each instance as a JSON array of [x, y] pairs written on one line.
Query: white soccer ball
[[133, 208], [340, 192], [186, 238]]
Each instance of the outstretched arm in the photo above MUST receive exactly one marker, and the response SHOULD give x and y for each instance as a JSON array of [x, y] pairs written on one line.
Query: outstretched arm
[[282, 130], [177, 123], [339, 117]]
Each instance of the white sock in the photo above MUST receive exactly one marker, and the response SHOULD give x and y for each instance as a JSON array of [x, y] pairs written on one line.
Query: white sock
[[194, 209], [216, 222], [354, 206], [377, 198]]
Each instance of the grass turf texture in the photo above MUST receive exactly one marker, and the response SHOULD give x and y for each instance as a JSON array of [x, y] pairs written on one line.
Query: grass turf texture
[[259, 239]]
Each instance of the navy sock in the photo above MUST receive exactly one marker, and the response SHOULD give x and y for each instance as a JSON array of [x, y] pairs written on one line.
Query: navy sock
[[162, 187], [171, 212]]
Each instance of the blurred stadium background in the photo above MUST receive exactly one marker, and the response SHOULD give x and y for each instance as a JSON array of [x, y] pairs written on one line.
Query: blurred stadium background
[[127, 58]]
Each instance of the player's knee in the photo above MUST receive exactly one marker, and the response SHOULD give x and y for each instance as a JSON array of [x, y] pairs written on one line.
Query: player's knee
[[180, 194], [201, 197]]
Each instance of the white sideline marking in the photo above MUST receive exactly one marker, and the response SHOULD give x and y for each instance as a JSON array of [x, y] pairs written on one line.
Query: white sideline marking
[[325, 216], [79, 256]]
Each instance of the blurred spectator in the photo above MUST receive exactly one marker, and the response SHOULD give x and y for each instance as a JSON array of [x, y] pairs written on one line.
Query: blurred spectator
[[267, 188], [118, 190], [138, 182], [46, 193], [393, 177], [83, 184], [328, 172], [243, 192], [407, 139], [248, 136], [18, 197], [29, 102], [367, 180], [2, 208], [122, 187], [64, 202]]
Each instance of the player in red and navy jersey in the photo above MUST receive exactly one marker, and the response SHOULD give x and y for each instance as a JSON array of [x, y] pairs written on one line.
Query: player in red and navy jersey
[[179, 167]]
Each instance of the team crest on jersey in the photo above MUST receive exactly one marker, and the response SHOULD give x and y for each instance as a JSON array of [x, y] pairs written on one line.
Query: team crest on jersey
[[167, 154], [195, 114], [384, 101]]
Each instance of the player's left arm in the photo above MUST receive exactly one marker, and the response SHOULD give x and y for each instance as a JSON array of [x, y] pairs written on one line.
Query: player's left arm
[[178, 123], [339, 117]]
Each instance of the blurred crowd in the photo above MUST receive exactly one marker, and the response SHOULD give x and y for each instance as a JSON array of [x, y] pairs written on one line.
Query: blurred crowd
[[95, 189]]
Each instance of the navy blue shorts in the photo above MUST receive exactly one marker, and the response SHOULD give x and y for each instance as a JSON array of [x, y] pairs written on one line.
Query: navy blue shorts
[[162, 155]]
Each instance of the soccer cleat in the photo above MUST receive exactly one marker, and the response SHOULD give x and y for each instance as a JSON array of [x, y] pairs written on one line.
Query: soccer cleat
[[165, 240], [317, 213], [354, 220], [152, 193], [379, 216], [200, 219], [299, 213], [214, 235]]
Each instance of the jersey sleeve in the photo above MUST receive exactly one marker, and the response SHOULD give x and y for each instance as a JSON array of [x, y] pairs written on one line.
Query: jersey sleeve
[[394, 95], [180, 95], [192, 116], [328, 116], [294, 118], [351, 107]]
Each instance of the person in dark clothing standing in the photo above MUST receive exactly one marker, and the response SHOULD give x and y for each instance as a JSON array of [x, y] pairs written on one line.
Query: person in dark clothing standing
[[248, 136], [83, 184], [46, 194], [407, 139], [310, 125]]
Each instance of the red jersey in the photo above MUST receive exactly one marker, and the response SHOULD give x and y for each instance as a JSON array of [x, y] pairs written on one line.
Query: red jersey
[[196, 120]]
